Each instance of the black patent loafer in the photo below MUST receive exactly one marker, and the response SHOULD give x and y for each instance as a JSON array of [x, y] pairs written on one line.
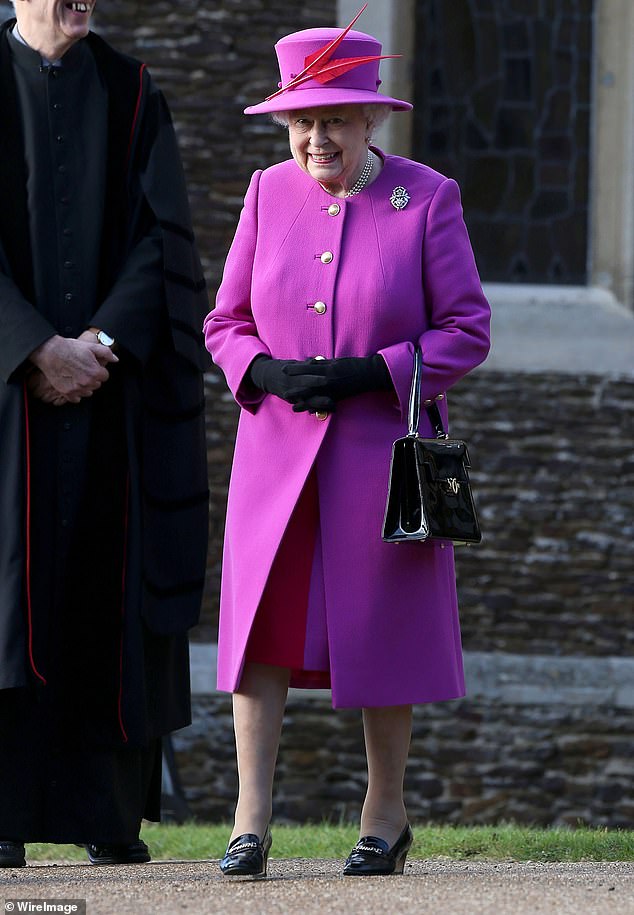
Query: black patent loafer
[[246, 856], [371, 856], [12, 854], [134, 853]]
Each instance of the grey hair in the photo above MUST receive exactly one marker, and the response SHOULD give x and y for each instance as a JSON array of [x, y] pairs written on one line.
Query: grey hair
[[375, 113]]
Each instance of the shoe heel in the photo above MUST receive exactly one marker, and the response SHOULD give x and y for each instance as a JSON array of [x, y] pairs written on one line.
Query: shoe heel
[[399, 865], [265, 864], [266, 848], [406, 840]]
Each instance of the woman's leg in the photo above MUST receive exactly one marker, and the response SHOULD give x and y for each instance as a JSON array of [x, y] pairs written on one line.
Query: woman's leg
[[258, 710], [387, 738]]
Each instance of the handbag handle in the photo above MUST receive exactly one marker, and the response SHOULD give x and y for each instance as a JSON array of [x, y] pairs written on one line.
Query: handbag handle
[[413, 414]]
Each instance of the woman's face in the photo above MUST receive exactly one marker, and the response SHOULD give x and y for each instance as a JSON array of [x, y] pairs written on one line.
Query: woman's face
[[330, 144]]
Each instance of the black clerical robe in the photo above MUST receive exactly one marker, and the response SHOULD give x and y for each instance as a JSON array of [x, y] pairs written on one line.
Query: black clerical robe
[[103, 504]]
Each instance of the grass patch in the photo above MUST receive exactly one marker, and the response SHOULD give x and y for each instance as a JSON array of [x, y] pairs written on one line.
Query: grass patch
[[522, 843], [506, 842]]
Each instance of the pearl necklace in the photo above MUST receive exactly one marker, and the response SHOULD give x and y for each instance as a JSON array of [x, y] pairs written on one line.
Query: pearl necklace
[[361, 181], [363, 178]]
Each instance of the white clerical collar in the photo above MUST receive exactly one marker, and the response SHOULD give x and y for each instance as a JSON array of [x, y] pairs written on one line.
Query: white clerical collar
[[45, 62]]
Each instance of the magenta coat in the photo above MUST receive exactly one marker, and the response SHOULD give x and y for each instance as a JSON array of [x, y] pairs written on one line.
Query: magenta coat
[[388, 278]]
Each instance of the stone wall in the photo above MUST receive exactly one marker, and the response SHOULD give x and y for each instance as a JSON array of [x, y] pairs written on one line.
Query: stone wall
[[470, 762], [539, 739], [553, 459]]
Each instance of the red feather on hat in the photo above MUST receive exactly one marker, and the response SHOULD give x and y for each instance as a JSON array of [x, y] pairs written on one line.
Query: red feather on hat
[[317, 67]]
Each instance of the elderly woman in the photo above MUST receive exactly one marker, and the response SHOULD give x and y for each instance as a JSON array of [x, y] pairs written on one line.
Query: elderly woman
[[344, 258]]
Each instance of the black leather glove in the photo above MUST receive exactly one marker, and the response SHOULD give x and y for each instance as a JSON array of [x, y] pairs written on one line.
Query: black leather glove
[[272, 376], [267, 374], [335, 379]]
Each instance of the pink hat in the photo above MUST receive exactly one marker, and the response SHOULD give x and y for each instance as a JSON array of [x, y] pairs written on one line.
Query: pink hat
[[327, 67]]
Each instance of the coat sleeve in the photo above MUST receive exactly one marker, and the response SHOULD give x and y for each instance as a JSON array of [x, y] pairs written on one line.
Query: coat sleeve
[[230, 331], [134, 311], [22, 327], [457, 336]]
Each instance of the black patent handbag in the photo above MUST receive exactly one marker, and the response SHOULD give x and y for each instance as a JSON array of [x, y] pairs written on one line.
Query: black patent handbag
[[429, 494]]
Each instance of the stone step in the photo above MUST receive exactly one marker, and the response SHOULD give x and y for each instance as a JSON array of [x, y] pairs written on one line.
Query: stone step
[[513, 679]]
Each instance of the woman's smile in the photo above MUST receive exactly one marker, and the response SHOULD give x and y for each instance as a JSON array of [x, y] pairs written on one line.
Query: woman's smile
[[324, 166], [323, 158]]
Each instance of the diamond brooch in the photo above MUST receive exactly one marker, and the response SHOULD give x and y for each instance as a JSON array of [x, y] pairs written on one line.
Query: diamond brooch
[[400, 198]]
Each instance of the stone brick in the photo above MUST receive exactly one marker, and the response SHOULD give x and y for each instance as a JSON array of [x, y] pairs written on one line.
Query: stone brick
[[486, 778]]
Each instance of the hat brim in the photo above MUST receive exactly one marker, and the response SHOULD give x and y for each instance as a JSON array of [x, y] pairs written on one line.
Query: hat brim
[[323, 97]]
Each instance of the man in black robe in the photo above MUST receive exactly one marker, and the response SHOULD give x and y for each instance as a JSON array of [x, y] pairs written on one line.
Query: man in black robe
[[103, 484]]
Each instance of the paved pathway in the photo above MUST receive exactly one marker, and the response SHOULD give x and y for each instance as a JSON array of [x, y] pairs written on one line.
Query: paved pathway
[[301, 887]]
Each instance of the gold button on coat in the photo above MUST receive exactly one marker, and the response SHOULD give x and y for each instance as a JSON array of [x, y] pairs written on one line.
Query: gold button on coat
[[320, 307], [334, 209], [321, 415], [326, 257]]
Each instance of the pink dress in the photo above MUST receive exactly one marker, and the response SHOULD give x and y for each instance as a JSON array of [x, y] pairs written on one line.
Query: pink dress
[[280, 634]]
